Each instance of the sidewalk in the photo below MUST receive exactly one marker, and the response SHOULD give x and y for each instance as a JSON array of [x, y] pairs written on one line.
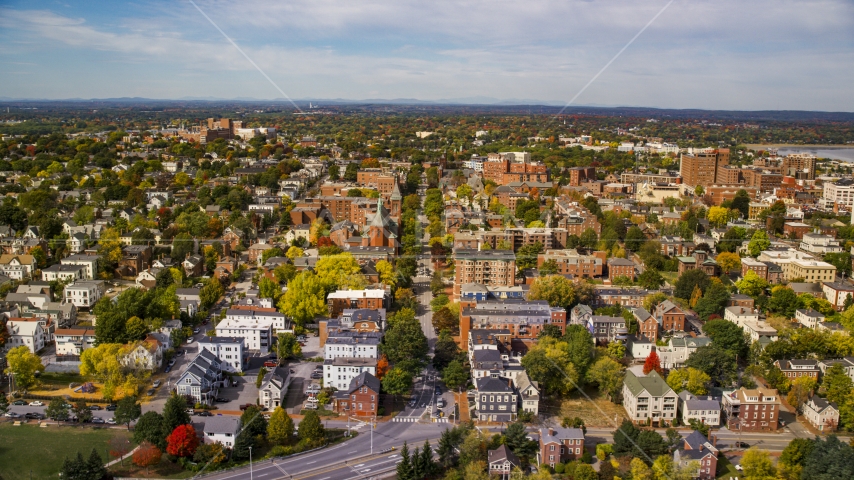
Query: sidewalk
[[127, 455]]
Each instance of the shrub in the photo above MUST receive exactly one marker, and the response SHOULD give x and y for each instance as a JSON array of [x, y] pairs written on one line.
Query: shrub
[[603, 450], [559, 468], [587, 457]]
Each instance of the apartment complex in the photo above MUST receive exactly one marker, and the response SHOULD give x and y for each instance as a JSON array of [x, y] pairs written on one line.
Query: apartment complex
[[704, 168], [752, 410], [570, 262], [488, 267]]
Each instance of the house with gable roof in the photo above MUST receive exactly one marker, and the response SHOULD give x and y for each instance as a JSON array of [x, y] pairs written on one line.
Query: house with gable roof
[[202, 378], [144, 355], [560, 445], [502, 461], [822, 414], [274, 386], [697, 448], [361, 398], [648, 398]]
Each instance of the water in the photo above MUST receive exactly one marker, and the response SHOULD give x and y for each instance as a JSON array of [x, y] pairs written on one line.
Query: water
[[844, 154]]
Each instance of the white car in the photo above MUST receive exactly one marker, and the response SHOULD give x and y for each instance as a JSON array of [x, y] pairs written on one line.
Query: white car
[[111, 420], [156, 384], [36, 404]]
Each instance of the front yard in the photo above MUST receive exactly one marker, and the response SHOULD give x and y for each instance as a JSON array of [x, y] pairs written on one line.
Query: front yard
[[595, 409], [29, 451]]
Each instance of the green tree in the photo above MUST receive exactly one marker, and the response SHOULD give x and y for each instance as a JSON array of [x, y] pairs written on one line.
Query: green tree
[[555, 289], [631, 441], [455, 375], [836, 384], [253, 421], [174, 413], [150, 429], [829, 459], [549, 362], [715, 362], [758, 242], [634, 238], [608, 374], [526, 256], [288, 347], [127, 410], [82, 411], [690, 379], [796, 452], [757, 464], [305, 298], [689, 280], [280, 428], [397, 382], [588, 238], [95, 466], [516, 439], [311, 429], [713, 301], [267, 288], [404, 468], [23, 365], [728, 336], [549, 267], [405, 342], [56, 409], [784, 301], [752, 284], [650, 279]]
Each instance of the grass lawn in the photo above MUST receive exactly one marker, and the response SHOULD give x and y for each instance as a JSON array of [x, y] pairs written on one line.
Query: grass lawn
[[30, 448], [671, 277], [726, 469], [598, 411]]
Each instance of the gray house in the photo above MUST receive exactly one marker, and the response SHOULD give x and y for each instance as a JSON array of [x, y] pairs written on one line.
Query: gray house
[[496, 399], [274, 386], [202, 378]]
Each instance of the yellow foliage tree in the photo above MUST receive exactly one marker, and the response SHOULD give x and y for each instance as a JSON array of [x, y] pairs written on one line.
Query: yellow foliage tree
[[728, 261], [696, 295]]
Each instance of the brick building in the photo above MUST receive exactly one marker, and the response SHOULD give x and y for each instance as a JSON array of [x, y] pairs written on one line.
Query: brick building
[[752, 410], [488, 267], [620, 267], [361, 399]]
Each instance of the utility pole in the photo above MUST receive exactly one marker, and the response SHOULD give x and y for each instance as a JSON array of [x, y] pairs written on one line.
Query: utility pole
[[250, 464]]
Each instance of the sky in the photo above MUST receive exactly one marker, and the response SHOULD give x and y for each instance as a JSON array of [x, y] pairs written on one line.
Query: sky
[[709, 54]]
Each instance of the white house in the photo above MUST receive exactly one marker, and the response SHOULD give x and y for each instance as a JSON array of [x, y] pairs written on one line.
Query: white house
[[808, 317], [274, 386], [705, 410], [65, 273], [29, 332], [221, 429], [822, 414], [338, 372], [89, 262], [354, 346], [144, 355], [84, 294], [72, 341], [738, 315], [820, 244], [648, 397], [201, 378], [256, 333], [17, 267], [227, 349]]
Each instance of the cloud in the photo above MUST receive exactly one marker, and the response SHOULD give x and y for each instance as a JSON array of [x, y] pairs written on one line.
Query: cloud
[[701, 53]]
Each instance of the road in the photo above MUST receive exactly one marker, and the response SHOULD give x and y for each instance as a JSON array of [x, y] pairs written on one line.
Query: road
[[349, 460]]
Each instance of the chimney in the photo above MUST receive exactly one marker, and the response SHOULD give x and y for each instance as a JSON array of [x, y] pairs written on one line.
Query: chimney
[[551, 431]]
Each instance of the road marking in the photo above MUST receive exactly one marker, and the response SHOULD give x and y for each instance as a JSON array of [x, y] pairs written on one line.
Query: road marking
[[354, 451], [366, 470], [309, 463], [359, 465]]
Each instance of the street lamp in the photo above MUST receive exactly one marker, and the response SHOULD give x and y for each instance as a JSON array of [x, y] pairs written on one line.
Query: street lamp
[[250, 463]]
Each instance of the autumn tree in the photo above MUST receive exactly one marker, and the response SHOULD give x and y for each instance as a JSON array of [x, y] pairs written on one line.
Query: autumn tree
[[23, 364], [182, 442], [555, 289], [146, 455], [280, 428], [652, 363], [728, 261]]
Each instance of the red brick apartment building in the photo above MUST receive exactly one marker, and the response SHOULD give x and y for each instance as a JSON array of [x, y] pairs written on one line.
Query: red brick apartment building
[[361, 399]]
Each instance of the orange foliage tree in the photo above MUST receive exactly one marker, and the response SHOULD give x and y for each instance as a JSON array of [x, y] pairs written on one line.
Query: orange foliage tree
[[382, 367], [146, 455]]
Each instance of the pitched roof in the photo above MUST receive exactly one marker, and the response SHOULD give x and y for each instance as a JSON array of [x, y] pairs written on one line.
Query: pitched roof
[[364, 379], [652, 383], [502, 454]]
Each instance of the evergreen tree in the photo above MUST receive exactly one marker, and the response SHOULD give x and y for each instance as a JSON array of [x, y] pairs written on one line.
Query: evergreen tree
[[427, 459], [417, 467], [95, 466], [150, 429], [253, 421], [4, 403], [311, 429], [404, 468], [174, 414], [446, 449], [74, 468], [242, 444]]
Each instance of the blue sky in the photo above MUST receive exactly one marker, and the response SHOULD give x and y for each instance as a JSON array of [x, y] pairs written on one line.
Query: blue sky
[[713, 54]]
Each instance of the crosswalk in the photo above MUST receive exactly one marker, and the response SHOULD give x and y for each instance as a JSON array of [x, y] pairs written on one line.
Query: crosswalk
[[416, 419]]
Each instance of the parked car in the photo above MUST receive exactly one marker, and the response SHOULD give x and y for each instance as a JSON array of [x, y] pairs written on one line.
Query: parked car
[[196, 331], [246, 405], [742, 445], [111, 420], [204, 413], [94, 407], [98, 420], [221, 400], [440, 403], [311, 406], [13, 415], [171, 362], [112, 407], [271, 364], [316, 375], [34, 416], [150, 392], [36, 404], [156, 384], [412, 404], [167, 369], [20, 402]]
